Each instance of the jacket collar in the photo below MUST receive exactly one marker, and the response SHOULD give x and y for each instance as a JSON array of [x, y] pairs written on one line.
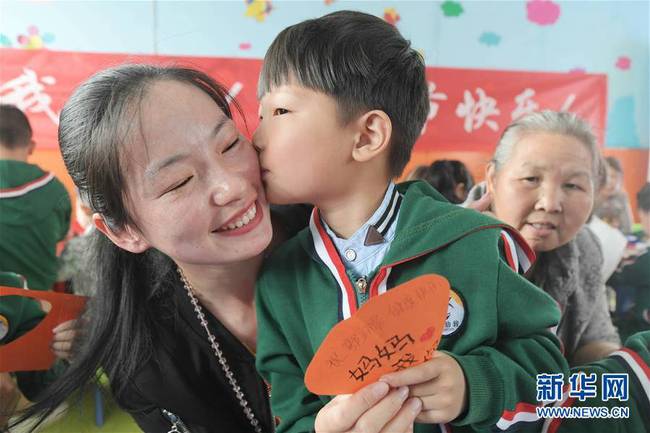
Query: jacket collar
[[427, 222]]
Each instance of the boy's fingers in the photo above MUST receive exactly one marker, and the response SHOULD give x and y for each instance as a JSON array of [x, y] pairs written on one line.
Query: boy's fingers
[[414, 375], [403, 421]]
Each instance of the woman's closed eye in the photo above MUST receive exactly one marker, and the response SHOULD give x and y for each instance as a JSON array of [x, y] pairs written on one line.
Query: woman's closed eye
[[179, 185], [231, 146]]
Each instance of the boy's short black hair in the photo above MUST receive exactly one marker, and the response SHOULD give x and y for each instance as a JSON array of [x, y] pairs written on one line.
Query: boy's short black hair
[[643, 198], [364, 63], [15, 130]]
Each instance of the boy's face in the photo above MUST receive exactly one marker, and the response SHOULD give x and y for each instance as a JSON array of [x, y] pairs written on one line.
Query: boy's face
[[305, 150]]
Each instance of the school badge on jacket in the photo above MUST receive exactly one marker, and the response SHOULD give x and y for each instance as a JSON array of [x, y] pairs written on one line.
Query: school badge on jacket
[[455, 314]]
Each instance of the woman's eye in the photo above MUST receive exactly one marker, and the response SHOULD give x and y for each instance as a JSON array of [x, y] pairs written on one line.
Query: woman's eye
[[530, 179], [573, 186], [231, 146], [179, 185], [280, 111]]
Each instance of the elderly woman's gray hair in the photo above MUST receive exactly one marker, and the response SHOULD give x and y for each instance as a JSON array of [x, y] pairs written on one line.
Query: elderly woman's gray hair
[[549, 122]]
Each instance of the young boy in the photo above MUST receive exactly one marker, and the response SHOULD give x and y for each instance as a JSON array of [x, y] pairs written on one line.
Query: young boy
[[343, 100]]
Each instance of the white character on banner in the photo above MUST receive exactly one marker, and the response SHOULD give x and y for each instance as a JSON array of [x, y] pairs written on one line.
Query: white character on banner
[[525, 104], [27, 92], [433, 104], [234, 91], [568, 102], [477, 113]]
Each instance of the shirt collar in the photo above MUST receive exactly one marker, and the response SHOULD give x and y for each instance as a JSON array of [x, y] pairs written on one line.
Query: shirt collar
[[376, 228]]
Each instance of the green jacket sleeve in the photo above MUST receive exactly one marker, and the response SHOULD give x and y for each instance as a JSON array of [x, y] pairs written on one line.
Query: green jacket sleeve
[[291, 402], [501, 376], [633, 360]]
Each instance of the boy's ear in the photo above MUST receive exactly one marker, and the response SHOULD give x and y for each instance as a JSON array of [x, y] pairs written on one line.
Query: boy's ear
[[127, 238], [374, 134], [32, 146]]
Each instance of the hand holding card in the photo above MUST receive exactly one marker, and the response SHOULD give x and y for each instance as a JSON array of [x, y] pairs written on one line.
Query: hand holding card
[[391, 332]]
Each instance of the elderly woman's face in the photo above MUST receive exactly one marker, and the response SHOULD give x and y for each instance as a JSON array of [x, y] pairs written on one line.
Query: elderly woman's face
[[545, 189]]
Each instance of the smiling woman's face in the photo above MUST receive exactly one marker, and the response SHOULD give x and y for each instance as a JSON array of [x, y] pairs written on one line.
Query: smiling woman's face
[[193, 182], [545, 189]]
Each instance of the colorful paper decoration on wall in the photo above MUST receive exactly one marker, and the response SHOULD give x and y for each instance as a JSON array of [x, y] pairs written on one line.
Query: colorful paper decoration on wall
[[33, 40], [623, 63], [391, 16], [258, 9], [542, 12], [451, 9], [490, 39], [4, 40], [394, 331]]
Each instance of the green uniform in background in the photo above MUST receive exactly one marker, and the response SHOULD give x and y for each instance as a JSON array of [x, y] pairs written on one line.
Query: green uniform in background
[[636, 276], [632, 360], [34, 216]]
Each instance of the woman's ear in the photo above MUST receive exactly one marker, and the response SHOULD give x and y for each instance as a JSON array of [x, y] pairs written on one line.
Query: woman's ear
[[490, 177], [374, 134], [126, 238]]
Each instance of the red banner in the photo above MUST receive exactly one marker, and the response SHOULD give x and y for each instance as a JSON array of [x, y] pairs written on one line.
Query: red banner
[[468, 107]]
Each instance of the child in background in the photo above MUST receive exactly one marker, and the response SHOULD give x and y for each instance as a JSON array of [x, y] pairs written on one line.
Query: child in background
[[632, 279], [449, 177], [343, 100]]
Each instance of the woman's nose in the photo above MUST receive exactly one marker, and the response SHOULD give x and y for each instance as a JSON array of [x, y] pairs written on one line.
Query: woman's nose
[[228, 187], [550, 199]]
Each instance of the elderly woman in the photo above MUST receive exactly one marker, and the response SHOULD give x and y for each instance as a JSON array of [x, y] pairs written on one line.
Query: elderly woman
[[542, 181]]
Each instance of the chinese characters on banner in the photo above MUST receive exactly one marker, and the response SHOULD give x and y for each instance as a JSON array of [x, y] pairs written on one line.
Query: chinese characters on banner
[[468, 108]]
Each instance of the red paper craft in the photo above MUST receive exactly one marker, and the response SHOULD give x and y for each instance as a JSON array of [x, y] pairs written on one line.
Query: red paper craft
[[31, 351], [391, 332]]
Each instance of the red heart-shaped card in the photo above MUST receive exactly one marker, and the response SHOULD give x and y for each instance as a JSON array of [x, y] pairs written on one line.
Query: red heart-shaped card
[[399, 329]]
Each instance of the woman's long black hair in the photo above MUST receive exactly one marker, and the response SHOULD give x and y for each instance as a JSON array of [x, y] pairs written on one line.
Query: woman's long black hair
[[95, 124]]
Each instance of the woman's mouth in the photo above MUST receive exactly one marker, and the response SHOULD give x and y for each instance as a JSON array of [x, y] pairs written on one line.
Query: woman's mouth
[[245, 223], [542, 228]]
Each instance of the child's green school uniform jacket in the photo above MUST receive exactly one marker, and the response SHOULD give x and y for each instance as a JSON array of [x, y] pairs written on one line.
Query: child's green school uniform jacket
[[632, 360], [500, 330]]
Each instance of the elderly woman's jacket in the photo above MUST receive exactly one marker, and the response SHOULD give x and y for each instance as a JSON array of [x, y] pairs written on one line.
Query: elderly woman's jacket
[[571, 274]]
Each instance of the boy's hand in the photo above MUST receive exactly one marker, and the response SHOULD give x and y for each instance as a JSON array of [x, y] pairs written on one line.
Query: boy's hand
[[439, 383]]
